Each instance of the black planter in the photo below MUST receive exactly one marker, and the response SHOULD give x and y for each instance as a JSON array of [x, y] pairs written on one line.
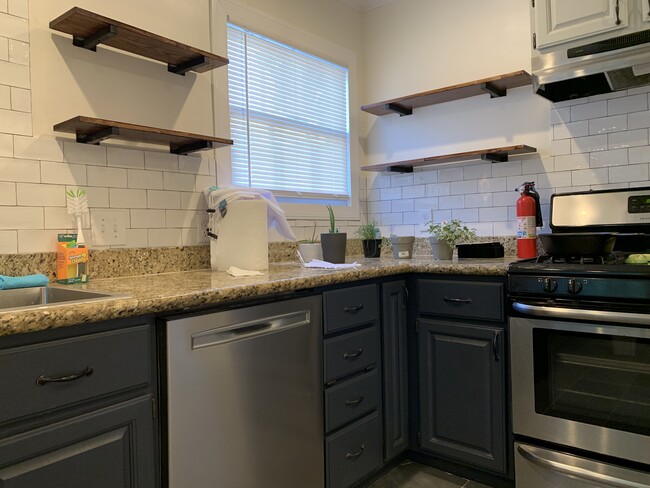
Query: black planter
[[371, 248], [334, 247]]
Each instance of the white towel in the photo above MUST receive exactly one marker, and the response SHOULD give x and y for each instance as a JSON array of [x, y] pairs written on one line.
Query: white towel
[[237, 272], [317, 263]]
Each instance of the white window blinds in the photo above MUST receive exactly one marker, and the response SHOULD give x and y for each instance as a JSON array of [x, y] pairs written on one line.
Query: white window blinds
[[288, 119]]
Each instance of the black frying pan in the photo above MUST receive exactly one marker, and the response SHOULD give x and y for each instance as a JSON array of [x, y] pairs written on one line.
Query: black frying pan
[[578, 244]]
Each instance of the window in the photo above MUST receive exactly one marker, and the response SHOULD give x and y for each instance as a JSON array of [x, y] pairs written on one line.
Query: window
[[289, 120]]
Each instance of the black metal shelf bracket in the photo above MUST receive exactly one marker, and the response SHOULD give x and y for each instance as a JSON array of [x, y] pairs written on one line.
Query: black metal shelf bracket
[[401, 110], [495, 157], [191, 147], [494, 91], [401, 169], [98, 37], [181, 69], [98, 136]]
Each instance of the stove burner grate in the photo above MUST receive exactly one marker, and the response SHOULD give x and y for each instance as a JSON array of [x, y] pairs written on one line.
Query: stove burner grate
[[612, 258]]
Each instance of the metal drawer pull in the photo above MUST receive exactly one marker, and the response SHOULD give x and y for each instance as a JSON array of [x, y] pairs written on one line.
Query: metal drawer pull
[[353, 355], [495, 345], [354, 403], [353, 309], [43, 380], [354, 455], [648, 8], [618, 12], [577, 472], [458, 300]]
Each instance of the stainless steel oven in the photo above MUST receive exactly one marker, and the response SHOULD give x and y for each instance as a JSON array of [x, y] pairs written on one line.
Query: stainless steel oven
[[580, 360]]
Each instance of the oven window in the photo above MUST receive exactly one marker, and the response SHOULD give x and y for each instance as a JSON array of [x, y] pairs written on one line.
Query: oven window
[[595, 379]]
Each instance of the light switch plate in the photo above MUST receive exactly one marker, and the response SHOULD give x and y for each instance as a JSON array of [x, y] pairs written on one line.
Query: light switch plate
[[108, 227]]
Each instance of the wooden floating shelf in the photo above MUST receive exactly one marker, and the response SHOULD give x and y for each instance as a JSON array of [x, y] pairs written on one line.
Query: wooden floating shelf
[[91, 131], [496, 86], [89, 29], [496, 155]]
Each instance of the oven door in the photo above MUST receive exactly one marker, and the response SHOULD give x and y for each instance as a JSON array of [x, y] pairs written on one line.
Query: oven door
[[584, 385]]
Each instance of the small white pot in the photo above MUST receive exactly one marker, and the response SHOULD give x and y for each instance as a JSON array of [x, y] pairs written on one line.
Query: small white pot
[[309, 252]]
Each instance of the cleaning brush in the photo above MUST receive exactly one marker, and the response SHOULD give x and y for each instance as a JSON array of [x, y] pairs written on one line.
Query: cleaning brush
[[77, 206]]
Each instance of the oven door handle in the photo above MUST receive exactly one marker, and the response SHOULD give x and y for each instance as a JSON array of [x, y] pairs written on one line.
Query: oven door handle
[[577, 472], [588, 315]]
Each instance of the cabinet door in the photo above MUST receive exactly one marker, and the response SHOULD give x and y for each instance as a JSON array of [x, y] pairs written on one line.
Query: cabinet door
[[395, 369], [558, 21], [462, 392], [110, 448]]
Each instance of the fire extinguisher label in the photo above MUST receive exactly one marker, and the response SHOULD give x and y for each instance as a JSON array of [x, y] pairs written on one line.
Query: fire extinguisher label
[[526, 228]]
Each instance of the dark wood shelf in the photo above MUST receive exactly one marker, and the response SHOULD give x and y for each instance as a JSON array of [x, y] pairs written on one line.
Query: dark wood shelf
[[89, 29], [496, 155], [496, 86], [91, 131]]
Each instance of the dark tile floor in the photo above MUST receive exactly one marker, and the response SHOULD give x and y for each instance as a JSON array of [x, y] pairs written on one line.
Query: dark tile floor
[[414, 475]]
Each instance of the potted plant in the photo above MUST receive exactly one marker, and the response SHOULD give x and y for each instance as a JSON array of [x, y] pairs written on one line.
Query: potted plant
[[370, 239], [310, 248], [445, 236], [333, 242], [402, 246]]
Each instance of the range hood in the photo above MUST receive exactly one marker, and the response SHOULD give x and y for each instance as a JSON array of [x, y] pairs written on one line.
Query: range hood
[[618, 63]]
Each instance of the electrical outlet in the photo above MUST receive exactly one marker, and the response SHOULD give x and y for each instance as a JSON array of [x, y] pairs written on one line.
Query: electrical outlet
[[202, 227], [108, 227]]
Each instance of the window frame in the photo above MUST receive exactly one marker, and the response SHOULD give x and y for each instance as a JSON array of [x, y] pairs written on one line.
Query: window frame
[[224, 11]]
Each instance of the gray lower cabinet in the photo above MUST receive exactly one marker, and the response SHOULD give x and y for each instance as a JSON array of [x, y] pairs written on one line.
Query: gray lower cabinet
[[395, 368], [462, 392], [108, 448]]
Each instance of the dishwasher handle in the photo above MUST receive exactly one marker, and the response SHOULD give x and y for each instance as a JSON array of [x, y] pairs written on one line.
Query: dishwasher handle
[[250, 329]]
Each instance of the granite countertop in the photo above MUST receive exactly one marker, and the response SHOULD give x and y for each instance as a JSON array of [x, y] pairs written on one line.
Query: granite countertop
[[168, 292]]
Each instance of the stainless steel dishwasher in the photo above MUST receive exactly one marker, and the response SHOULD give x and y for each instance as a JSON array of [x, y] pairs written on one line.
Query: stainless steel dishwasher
[[244, 397]]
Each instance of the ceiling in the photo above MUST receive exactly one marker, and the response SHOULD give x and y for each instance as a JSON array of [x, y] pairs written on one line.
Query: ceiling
[[365, 5]]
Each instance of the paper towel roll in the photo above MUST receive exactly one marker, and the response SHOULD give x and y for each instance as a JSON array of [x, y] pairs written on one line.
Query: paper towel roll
[[243, 237]]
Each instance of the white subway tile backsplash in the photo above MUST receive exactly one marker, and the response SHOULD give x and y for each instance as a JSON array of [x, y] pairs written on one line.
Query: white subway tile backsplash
[[540, 165], [38, 148], [634, 172], [390, 193], [124, 158], [630, 138], [607, 96], [553, 180], [571, 161], [505, 228], [137, 238], [380, 207], [8, 242], [589, 144], [14, 27], [104, 176], [476, 200], [640, 89], [429, 203], [463, 187], [570, 130], [597, 176], [84, 153], [615, 157], [164, 199], [63, 173], [425, 176], [6, 145], [147, 219], [402, 205], [401, 180], [502, 199], [373, 195], [404, 230], [161, 161], [191, 238], [559, 147], [19, 8], [144, 179], [477, 171], [416, 218], [415, 191], [181, 218], [438, 189], [194, 165], [605, 125], [482, 229], [38, 240], [490, 185], [21, 218], [123, 198], [391, 219], [39, 195], [193, 201], [7, 194], [18, 52], [624, 105], [493, 214], [15, 122], [450, 174], [27, 171], [588, 111], [4, 43], [59, 218], [560, 115], [97, 197], [639, 120], [5, 97], [204, 182], [440, 215], [639, 154], [465, 214], [165, 237], [451, 202]]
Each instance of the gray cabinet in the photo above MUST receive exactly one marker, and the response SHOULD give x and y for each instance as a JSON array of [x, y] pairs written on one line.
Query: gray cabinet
[[395, 368], [81, 409], [462, 372]]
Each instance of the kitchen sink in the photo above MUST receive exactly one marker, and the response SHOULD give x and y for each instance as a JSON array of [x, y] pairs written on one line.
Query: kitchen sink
[[42, 296]]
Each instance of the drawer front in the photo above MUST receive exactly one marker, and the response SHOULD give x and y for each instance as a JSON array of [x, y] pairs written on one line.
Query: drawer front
[[354, 452], [461, 299], [352, 352], [85, 367], [351, 399], [351, 306]]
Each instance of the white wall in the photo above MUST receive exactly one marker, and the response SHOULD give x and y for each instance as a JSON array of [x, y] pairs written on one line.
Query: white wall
[[418, 45]]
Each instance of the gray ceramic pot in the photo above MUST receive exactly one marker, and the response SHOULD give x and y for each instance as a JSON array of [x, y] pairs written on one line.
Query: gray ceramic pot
[[402, 246], [334, 247], [441, 249]]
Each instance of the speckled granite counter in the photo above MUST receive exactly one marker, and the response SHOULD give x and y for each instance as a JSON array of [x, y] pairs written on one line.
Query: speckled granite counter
[[168, 292]]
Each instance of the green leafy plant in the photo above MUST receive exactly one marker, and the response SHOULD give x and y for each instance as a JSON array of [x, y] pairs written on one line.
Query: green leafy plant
[[333, 228], [311, 240], [451, 232], [369, 231]]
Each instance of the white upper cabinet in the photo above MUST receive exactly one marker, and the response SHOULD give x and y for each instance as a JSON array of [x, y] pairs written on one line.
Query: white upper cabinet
[[645, 5], [559, 21]]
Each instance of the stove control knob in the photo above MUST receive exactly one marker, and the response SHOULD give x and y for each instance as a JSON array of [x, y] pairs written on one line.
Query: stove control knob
[[550, 285], [574, 286]]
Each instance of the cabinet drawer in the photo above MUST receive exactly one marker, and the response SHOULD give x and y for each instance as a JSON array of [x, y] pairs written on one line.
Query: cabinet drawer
[[85, 367], [479, 300], [351, 306], [351, 399], [352, 352], [354, 452]]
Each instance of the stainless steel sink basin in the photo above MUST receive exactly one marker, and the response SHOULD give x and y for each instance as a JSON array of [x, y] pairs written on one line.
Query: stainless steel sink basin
[[24, 298]]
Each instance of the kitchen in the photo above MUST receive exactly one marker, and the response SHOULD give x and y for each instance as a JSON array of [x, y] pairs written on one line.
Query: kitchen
[[588, 143]]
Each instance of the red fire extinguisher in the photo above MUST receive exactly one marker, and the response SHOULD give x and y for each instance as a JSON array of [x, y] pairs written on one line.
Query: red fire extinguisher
[[529, 217]]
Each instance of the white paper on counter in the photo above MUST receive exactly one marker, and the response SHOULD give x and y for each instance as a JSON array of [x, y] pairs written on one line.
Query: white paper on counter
[[237, 272]]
